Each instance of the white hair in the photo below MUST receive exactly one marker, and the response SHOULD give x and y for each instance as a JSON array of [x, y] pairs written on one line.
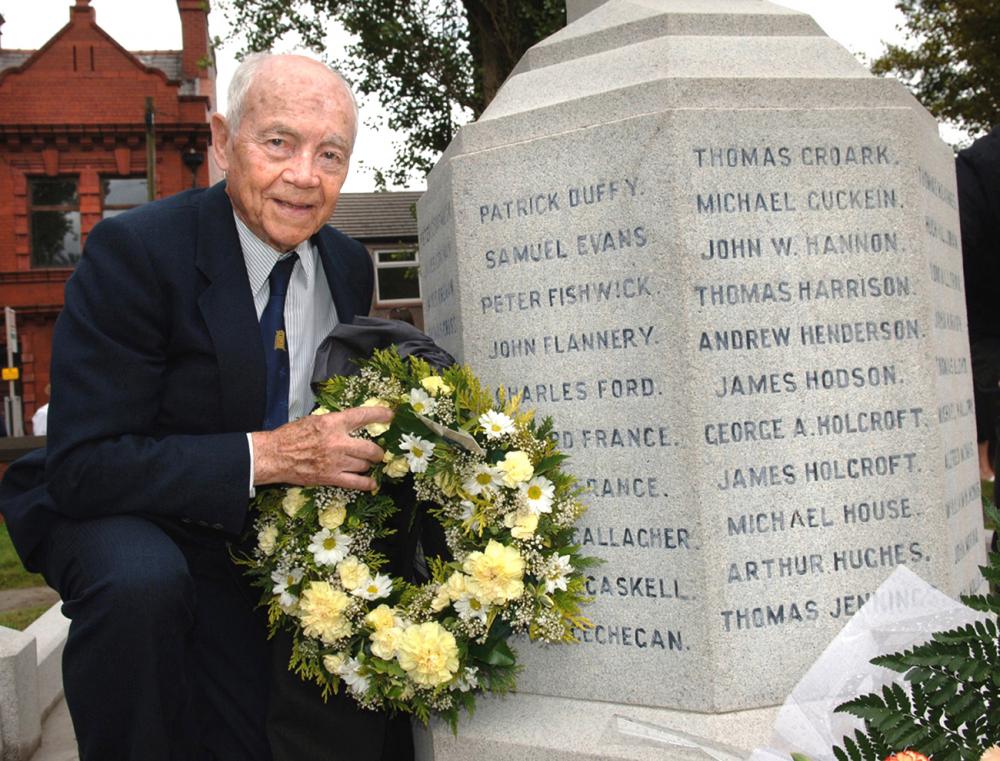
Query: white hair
[[244, 75]]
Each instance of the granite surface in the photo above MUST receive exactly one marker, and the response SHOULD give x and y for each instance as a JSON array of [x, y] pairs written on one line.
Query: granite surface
[[725, 258]]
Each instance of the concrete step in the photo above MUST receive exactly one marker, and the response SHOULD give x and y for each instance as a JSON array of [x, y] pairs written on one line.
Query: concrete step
[[58, 741]]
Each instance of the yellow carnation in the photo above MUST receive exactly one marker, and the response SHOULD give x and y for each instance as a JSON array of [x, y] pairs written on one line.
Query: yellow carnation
[[522, 525], [321, 410], [381, 617], [397, 467], [456, 586], [376, 429], [334, 662], [516, 468], [353, 573], [495, 575], [386, 641], [267, 539], [428, 653], [322, 612], [294, 501], [333, 516], [441, 600], [435, 385]]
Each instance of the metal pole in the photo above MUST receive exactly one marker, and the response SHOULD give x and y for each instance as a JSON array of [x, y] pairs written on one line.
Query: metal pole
[[150, 150], [15, 413]]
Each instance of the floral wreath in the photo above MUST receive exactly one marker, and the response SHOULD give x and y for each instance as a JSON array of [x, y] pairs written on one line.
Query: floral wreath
[[491, 477]]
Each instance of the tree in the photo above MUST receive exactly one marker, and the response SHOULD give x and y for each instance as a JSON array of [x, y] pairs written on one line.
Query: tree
[[433, 64], [954, 70]]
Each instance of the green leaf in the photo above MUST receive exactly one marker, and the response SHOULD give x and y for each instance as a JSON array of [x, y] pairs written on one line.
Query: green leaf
[[495, 653]]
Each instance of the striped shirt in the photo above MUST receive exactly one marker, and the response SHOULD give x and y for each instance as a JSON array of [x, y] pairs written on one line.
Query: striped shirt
[[310, 314], [309, 310]]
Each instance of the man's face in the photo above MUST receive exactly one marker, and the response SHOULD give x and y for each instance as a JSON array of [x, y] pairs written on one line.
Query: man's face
[[288, 158]]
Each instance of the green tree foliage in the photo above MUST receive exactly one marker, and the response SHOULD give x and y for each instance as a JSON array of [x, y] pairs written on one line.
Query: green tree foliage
[[952, 710], [951, 59], [433, 64]]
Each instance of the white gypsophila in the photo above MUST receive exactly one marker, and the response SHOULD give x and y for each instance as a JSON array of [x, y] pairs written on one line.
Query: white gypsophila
[[444, 410], [557, 573], [537, 494], [374, 588], [421, 402], [565, 512], [283, 580], [329, 547], [484, 479], [496, 424], [469, 608], [326, 496], [418, 452]]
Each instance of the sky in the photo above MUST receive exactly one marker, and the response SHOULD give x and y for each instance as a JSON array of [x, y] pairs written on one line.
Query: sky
[[862, 26]]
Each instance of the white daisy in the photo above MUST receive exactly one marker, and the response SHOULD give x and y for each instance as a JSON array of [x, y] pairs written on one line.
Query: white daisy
[[468, 515], [329, 547], [350, 672], [374, 588], [283, 579], [418, 452], [556, 572], [467, 680], [537, 495], [485, 478], [496, 424], [421, 402], [470, 608]]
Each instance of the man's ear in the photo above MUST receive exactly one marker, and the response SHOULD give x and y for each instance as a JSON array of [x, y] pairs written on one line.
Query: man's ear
[[220, 140]]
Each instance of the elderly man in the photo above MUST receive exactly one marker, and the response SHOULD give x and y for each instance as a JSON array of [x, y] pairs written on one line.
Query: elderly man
[[184, 349]]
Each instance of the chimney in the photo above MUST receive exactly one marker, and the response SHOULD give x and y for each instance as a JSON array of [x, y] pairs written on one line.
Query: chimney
[[195, 41], [82, 7]]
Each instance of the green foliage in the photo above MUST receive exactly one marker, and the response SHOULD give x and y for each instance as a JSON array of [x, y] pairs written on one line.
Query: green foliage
[[434, 64], [12, 573], [952, 710], [21, 618], [951, 60]]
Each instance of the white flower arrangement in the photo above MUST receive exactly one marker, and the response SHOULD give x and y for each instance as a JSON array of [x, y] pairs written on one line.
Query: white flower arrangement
[[492, 478]]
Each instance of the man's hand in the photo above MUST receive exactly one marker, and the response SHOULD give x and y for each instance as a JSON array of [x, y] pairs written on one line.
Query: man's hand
[[319, 450]]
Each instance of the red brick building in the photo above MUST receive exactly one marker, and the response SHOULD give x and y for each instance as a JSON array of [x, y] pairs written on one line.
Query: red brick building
[[73, 150]]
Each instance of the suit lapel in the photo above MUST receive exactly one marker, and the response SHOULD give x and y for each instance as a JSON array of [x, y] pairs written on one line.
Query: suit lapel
[[228, 310]]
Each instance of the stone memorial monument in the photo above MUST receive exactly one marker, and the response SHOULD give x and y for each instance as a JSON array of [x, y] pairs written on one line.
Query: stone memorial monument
[[726, 259]]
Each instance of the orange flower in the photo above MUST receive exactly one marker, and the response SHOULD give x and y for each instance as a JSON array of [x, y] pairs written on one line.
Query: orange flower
[[907, 755]]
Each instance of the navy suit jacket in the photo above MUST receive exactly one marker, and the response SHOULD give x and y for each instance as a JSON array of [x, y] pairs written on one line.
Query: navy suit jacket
[[158, 372]]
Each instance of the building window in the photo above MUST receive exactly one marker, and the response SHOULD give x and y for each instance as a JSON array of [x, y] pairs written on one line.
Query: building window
[[396, 277], [54, 213], [121, 193]]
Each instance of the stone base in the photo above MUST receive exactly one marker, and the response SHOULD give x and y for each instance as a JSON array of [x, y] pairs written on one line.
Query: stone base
[[540, 728]]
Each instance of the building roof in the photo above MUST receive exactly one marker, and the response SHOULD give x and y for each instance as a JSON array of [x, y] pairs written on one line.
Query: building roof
[[377, 216], [11, 58], [167, 61]]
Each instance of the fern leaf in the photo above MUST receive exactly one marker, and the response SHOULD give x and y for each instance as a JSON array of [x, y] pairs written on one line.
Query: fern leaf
[[852, 749]]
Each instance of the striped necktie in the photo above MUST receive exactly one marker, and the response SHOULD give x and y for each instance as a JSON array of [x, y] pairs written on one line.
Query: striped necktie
[[272, 332]]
